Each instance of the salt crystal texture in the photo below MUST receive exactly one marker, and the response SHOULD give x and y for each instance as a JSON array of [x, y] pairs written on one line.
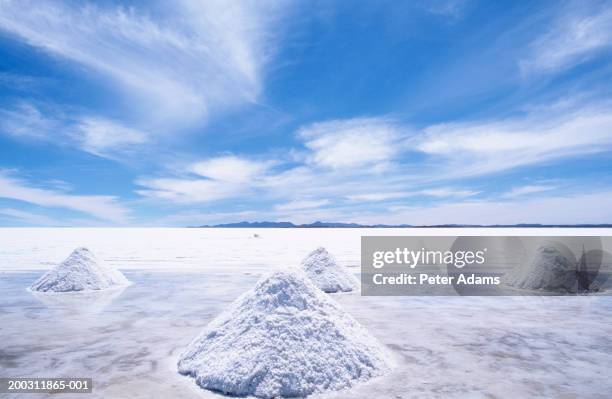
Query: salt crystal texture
[[321, 267], [81, 271], [553, 268], [283, 338]]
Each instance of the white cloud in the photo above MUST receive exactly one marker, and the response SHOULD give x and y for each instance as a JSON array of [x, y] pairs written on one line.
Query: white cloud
[[445, 155], [574, 209], [230, 169], [379, 196], [313, 182], [440, 192], [217, 178], [444, 192], [529, 189], [98, 136], [295, 190], [192, 57], [187, 191], [303, 204], [197, 218], [484, 147], [100, 206], [28, 217], [382, 150], [351, 143], [101, 136], [27, 121], [574, 38]]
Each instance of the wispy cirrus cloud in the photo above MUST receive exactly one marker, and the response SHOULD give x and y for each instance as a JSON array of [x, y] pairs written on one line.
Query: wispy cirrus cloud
[[26, 121], [362, 158], [302, 204], [158, 69], [296, 184], [103, 207], [189, 190], [206, 181], [567, 209], [439, 192], [582, 30], [345, 164], [231, 169], [98, 136], [448, 192], [529, 189], [29, 218], [174, 66], [351, 143], [104, 137], [477, 148]]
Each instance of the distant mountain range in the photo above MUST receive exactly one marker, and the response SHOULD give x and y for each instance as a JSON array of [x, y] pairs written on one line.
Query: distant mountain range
[[318, 224]]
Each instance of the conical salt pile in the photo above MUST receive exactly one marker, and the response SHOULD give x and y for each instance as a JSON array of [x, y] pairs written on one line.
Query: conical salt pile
[[552, 268], [283, 338], [81, 271], [321, 267]]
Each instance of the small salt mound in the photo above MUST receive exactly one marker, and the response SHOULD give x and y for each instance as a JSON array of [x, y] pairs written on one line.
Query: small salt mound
[[553, 268], [283, 338], [321, 267], [81, 271]]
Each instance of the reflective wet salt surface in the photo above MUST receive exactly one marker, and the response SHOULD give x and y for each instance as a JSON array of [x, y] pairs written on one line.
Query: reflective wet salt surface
[[128, 341]]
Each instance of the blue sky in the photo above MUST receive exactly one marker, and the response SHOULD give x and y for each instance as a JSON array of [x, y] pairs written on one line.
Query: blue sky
[[425, 112]]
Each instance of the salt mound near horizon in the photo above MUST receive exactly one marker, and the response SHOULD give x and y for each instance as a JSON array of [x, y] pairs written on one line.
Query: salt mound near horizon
[[81, 271], [283, 338], [321, 267], [552, 268]]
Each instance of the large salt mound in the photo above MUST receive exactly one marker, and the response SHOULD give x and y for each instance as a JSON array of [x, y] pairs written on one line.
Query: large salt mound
[[283, 338], [81, 271], [321, 267], [553, 268]]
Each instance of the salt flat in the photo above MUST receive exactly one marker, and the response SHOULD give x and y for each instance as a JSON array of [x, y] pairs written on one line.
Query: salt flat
[[175, 249], [129, 340]]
